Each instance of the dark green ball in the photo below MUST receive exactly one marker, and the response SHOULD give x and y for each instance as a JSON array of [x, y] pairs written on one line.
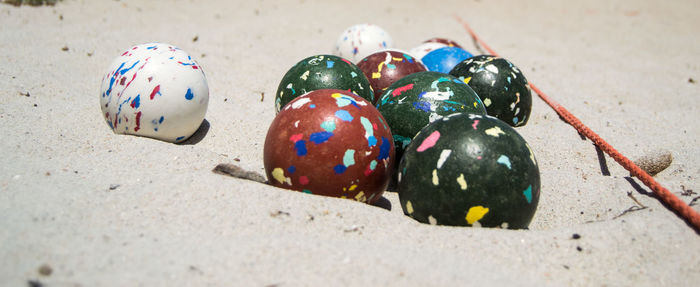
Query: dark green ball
[[469, 170], [500, 85], [416, 100], [322, 72]]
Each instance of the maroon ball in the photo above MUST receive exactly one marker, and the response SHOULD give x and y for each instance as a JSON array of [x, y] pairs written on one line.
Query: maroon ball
[[383, 68], [447, 42], [330, 142]]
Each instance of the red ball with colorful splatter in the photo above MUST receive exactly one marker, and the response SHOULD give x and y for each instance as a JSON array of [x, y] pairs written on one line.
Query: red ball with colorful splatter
[[330, 142], [386, 67]]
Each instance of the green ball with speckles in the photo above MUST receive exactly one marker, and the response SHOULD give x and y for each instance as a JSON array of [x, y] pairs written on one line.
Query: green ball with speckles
[[501, 86], [416, 100], [322, 72], [469, 170]]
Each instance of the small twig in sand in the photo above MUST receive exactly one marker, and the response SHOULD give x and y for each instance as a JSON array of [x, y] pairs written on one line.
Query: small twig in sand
[[237, 172], [30, 2], [694, 201], [278, 213], [633, 208], [629, 193], [686, 191], [354, 228], [262, 96]]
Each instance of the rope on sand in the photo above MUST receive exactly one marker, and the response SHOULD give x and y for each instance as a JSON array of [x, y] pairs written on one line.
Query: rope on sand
[[662, 194]]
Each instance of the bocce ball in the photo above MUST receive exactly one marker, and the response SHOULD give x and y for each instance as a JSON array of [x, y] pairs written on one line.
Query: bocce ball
[[424, 48], [322, 72], [418, 99], [330, 142], [154, 90], [445, 41], [500, 85], [386, 67], [361, 40], [444, 59], [469, 170]]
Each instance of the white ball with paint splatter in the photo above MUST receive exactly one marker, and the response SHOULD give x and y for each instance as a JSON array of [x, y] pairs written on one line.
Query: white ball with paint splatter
[[154, 90], [361, 40]]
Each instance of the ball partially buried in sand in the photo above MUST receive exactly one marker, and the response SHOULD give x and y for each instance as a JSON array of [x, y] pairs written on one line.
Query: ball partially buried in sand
[[501, 86], [469, 170], [330, 142], [154, 90]]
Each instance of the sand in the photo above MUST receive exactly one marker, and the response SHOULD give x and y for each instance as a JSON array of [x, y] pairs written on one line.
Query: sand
[[100, 209]]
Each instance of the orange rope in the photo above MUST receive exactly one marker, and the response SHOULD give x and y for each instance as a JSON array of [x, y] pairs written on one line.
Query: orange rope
[[663, 194]]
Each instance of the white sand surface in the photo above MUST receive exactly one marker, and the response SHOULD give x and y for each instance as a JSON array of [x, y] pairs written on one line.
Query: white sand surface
[[623, 67]]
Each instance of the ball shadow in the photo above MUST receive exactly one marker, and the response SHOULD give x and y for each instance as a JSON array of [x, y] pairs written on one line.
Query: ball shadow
[[198, 135], [383, 203]]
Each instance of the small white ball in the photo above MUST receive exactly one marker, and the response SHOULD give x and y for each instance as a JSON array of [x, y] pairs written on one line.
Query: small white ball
[[424, 48], [361, 40], [154, 90]]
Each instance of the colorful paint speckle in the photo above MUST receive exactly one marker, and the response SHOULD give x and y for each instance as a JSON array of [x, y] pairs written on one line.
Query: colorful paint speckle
[[339, 148], [469, 170], [164, 89]]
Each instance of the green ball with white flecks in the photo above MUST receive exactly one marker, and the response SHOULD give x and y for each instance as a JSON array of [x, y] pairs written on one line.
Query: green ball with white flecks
[[501, 86], [469, 170], [322, 72], [416, 100]]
